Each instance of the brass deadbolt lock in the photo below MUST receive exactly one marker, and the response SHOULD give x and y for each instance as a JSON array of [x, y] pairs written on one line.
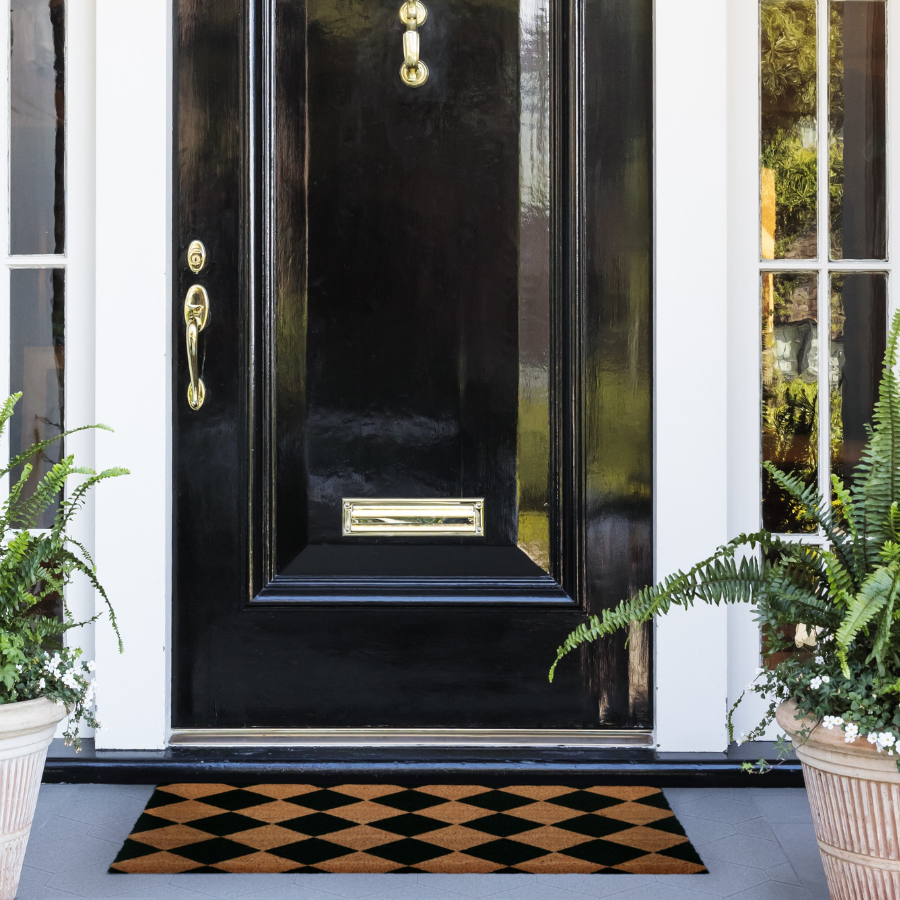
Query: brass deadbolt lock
[[196, 256]]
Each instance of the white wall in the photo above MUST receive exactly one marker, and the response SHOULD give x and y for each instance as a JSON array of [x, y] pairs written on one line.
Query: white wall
[[133, 364], [691, 281]]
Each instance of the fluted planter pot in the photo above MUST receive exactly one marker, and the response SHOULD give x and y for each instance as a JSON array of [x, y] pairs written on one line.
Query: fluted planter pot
[[854, 793], [26, 730]]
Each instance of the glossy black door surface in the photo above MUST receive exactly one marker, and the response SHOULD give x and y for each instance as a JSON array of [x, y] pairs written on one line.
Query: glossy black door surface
[[434, 292]]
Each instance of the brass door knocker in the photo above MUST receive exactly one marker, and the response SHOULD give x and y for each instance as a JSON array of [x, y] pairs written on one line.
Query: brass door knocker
[[413, 71]]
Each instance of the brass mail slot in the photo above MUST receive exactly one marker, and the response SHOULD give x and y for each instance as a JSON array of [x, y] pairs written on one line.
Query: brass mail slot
[[414, 518]]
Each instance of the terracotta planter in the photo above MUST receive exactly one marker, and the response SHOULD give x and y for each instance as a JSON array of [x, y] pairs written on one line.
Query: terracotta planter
[[26, 730], [854, 792]]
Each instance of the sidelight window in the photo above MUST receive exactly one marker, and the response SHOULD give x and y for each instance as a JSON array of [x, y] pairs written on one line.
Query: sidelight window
[[823, 254], [34, 244]]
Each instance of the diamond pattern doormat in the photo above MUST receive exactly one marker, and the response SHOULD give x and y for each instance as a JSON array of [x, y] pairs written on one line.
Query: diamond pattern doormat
[[367, 828]]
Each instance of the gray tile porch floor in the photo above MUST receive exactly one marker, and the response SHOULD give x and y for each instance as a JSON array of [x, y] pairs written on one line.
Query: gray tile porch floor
[[758, 844]]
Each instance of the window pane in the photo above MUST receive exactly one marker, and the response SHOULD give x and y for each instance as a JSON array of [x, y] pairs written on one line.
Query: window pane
[[788, 133], [858, 337], [37, 126], [857, 125], [37, 368], [790, 396]]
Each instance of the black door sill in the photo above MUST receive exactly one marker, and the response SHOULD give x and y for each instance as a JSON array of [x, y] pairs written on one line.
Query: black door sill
[[417, 765]]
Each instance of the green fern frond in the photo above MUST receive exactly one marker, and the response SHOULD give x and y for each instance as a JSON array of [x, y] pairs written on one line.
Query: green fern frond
[[718, 579], [878, 590], [878, 474], [819, 511]]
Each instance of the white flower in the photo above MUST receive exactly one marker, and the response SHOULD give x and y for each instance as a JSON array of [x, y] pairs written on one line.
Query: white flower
[[820, 660], [830, 722], [91, 665], [42, 684], [815, 683], [883, 741], [826, 679], [69, 680], [851, 732]]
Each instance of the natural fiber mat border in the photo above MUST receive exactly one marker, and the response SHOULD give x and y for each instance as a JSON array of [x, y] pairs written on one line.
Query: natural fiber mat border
[[379, 828]]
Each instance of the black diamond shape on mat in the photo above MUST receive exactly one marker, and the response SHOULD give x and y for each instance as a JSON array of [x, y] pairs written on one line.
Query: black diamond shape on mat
[[506, 853], [657, 800], [163, 798], [150, 823], [410, 801], [322, 800], [585, 801], [592, 826], [410, 824], [409, 852], [225, 823], [501, 825], [234, 800], [670, 825], [316, 824], [310, 852], [683, 851], [133, 850], [604, 853], [216, 850], [498, 801]]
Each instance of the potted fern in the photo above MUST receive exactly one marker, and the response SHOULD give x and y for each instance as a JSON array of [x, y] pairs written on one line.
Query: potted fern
[[41, 680], [840, 603]]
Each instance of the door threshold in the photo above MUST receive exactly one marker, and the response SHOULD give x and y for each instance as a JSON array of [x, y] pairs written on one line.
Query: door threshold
[[407, 737]]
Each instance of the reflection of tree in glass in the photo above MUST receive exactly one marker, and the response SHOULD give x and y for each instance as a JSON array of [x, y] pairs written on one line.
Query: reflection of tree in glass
[[790, 391], [788, 121], [836, 128]]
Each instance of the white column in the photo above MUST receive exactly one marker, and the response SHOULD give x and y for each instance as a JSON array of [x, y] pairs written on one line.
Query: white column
[[691, 361], [132, 370], [80, 289]]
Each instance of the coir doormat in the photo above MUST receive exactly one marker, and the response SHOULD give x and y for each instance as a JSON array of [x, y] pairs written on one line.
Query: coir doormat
[[367, 828]]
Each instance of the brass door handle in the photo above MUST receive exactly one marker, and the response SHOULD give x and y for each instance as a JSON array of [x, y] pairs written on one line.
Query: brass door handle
[[196, 316], [413, 71]]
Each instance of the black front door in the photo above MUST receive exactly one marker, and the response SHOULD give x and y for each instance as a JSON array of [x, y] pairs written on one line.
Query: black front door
[[411, 392]]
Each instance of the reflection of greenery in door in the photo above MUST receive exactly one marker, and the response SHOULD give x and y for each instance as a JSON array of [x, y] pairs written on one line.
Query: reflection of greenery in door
[[788, 125], [790, 390]]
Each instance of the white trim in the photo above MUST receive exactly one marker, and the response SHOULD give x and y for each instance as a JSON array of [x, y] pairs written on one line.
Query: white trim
[[743, 332], [690, 276], [80, 284], [132, 366]]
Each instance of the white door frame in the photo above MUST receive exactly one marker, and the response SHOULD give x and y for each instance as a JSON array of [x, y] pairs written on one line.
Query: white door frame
[[706, 460]]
